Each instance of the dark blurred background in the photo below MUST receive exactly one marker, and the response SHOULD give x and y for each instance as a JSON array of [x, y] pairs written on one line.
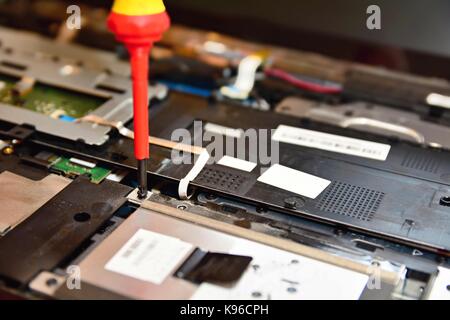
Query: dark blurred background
[[414, 36]]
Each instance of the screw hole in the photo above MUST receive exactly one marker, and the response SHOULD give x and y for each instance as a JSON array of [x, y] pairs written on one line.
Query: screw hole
[[349, 113], [210, 196], [291, 290], [51, 282], [445, 201], [82, 217]]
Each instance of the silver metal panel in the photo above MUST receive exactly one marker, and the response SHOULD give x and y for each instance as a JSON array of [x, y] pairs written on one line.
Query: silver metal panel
[[74, 68], [35, 45], [94, 273], [372, 118], [20, 197]]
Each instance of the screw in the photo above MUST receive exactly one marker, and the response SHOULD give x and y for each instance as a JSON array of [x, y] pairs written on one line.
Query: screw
[[182, 207], [261, 209], [293, 202], [445, 201], [8, 150]]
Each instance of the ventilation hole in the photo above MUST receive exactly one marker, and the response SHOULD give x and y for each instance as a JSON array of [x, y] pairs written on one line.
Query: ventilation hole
[[421, 161], [82, 217], [350, 200], [220, 179]]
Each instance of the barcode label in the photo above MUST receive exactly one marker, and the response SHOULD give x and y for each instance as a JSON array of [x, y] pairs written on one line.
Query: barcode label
[[149, 256], [332, 142]]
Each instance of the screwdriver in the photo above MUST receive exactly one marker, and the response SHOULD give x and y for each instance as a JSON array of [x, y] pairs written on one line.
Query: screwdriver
[[138, 24]]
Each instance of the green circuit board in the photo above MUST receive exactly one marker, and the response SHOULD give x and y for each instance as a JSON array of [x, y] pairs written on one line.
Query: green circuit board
[[47, 99], [64, 165]]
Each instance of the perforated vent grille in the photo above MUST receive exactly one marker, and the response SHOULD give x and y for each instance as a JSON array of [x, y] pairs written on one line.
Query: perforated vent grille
[[351, 201], [221, 179], [421, 161]]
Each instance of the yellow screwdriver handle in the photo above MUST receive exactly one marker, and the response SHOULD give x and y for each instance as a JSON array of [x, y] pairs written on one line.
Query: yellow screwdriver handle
[[138, 7]]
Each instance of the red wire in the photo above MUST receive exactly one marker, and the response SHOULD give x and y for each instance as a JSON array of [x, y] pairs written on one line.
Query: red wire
[[285, 76]]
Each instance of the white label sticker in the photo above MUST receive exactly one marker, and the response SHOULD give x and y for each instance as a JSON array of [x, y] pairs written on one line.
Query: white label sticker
[[222, 130], [282, 275], [149, 256], [237, 163], [332, 142], [440, 289], [295, 181]]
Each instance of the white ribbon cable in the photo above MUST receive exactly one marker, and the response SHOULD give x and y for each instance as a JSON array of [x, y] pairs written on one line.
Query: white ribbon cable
[[193, 173]]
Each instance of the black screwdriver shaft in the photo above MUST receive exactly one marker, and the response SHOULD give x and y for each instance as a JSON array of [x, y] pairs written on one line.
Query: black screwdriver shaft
[[142, 179]]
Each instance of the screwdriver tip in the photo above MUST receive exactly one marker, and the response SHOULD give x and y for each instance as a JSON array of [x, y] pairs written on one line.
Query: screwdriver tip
[[142, 179]]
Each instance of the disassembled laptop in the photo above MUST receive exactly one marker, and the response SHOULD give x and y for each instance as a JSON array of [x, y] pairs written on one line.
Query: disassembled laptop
[[333, 185]]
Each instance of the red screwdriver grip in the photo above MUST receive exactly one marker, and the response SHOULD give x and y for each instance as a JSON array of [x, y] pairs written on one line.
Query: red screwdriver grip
[[139, 56], [139, 33]]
